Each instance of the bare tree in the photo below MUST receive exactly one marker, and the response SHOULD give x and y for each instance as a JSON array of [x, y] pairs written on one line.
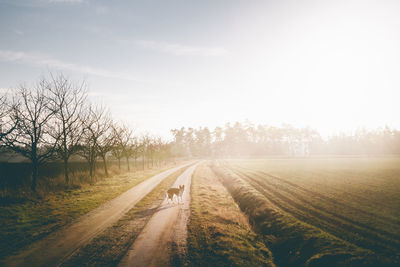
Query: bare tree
[[3, 113], [95, 125], [129, 146], [6, 125], [144, 148], [123, 147], [32, 114], [117, 150], [154, 145], [106, 141], [162, 150], [68, 101], [150, 151], [135, 148]]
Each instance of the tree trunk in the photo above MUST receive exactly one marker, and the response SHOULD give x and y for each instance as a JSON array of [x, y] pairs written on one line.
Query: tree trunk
[[127, 162], [66, 170], [143, 161], [34, 175], [105, 165], [119, 163], [94, 167], [91, 169]]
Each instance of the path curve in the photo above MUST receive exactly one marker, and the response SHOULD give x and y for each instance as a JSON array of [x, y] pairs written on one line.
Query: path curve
[[61, 244], [166, 232]]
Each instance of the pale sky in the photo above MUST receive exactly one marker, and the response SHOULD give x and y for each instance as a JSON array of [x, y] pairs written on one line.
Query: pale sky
[[159, 65]]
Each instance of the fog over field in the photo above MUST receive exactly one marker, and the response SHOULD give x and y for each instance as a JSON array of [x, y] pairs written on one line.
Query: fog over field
[[331, 65], [199, 133]]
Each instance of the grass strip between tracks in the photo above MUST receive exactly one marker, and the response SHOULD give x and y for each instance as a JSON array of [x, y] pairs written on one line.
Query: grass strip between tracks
[[218, 232]]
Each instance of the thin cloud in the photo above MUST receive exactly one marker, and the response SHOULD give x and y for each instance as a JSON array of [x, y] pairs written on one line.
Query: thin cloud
[[42, 60], [36, 3], [180, 49], [66, 1], [18, 32]]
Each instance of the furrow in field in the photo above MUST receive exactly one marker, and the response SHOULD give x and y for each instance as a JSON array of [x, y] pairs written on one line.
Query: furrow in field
[[336, 227], [292, 242], [355, 197], [332, 220], [382, 218], [332, 201], [318, 218]]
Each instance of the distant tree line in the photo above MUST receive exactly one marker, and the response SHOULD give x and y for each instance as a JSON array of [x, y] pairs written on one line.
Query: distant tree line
[[249, 140], [53, 120]]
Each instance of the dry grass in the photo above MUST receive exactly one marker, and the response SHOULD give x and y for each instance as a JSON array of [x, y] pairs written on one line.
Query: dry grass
[[218, 232], [110, 246], [24, 222], [303, 223], [356, 199]]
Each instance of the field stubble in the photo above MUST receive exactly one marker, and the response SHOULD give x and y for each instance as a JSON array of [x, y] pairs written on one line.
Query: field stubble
[[306, 223]]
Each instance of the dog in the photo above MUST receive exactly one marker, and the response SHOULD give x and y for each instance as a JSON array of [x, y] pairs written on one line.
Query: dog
[[175, 191]]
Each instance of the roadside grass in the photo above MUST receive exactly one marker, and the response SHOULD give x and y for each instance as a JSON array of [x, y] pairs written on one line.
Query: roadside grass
[[293, 242], [218, 232], [22, 223], [108, 248], [15, 178]]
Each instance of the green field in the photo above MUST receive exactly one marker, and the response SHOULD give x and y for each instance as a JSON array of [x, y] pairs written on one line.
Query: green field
[[321, 210]]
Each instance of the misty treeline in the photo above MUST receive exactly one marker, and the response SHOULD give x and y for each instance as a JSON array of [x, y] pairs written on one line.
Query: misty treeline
[[53, 120], [249, 140]]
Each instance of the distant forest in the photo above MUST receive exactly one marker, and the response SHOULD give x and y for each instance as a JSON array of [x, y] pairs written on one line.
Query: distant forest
[[249, 140]]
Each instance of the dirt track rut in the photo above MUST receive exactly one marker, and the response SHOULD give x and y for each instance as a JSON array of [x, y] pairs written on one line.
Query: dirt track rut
[[58, 246], [163, 240]]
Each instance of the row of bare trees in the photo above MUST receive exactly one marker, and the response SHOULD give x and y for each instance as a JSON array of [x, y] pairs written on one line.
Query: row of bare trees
[[246, 139], [54, 120]]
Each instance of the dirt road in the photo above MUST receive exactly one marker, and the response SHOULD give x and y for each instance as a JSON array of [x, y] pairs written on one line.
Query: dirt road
[[58, 246], [163, 240]]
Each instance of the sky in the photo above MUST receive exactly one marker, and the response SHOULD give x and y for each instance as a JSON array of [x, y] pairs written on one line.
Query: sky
[[160, 65]]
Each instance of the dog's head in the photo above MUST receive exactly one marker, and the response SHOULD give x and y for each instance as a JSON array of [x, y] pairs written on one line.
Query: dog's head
[[181, 188]]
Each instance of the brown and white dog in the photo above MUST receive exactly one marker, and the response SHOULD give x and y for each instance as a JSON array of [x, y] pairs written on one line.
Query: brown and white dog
[[175, 191]]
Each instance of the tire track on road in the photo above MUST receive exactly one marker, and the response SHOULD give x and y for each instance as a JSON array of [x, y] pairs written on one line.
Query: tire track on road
[[58, 246], [163, 239]]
